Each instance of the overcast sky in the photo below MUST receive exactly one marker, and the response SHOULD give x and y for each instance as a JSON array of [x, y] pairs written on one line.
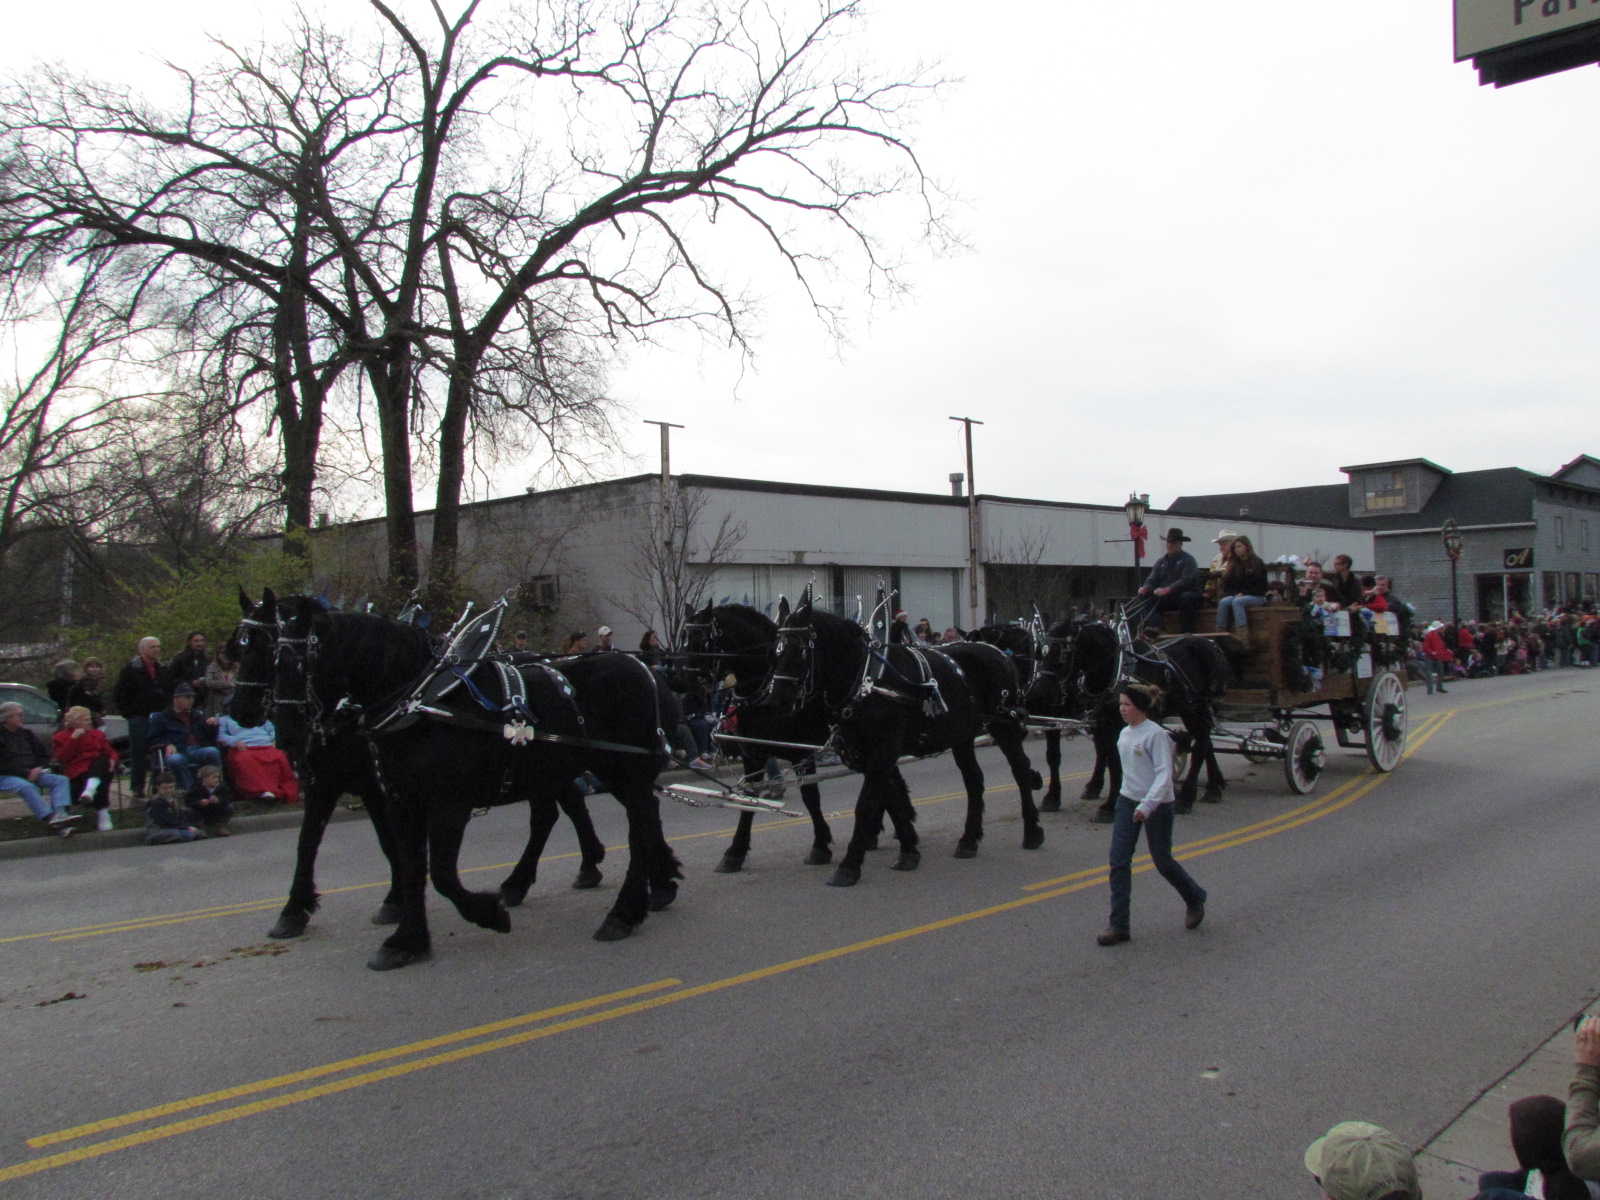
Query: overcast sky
[[1215, 247]]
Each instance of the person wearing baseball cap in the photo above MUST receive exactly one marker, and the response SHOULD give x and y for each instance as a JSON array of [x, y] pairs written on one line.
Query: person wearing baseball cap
[[604, 634], [1358, 1161]]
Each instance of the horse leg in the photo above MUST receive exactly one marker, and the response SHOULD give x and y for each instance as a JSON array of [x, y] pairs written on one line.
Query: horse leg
[[869, 812], [1107, 760], [733, 856], [1097, 778], [1191, 780], [821, 835], [633, 899], [303, 898], [903, 815], [972, 776], [1052, 758], [590, 847], [446, 827], [409, 942], [1009, 739], [542, 814], [1215, 781], [664, 868], [378, 808]]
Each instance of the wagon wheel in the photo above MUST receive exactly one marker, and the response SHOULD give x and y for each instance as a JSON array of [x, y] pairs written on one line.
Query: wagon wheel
[[1302, 757], [1386, 721]]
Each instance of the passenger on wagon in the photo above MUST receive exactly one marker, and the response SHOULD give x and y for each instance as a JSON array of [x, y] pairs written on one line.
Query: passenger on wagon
[[1173, 584], [1244, 586], [1345, 587]]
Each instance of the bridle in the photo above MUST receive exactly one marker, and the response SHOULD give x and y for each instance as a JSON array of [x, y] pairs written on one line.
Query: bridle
[[716, 652], [295, 655]]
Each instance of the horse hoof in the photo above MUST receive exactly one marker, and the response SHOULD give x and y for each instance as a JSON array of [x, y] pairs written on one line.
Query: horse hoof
[[1103, 816], [845, 877], [1089, 793], [909, 860], [731, 864], [289, 926], [662, 897], [388, 958], [613, 929], [964, 849], [820, 856], [387, 914], [495, 918], [1033, 839], [587, 877], [513, 897], [1050, 804]]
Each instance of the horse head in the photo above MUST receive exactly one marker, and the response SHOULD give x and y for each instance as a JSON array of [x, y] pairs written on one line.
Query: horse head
[[794, 656], [254, 647]]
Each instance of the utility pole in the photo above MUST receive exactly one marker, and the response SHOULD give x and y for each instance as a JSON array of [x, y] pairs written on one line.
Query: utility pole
[[666, 480], [972, 528]]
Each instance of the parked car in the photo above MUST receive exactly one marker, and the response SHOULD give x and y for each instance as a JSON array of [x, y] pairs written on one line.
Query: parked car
[[39, 714]]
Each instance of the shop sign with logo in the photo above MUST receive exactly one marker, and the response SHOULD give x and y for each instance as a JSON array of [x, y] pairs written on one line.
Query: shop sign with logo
[[1520, 560]]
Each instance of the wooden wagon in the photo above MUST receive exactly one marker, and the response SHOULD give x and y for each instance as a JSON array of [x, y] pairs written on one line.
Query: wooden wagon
[[1300, 673]]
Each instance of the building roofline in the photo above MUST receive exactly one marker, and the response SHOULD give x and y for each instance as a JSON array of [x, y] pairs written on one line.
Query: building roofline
[[1399, 462]]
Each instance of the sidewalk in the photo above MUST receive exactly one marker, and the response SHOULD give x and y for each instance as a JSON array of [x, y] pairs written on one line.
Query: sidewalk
[[1479, 1139]]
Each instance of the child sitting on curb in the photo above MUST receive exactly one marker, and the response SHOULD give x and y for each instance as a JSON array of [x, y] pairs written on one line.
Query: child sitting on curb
[[210, 803], [168, 822]]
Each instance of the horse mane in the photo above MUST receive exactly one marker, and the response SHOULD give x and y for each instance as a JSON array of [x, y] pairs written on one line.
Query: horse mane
[[371, 654]]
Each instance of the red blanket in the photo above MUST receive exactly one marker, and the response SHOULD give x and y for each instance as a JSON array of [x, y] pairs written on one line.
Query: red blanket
[[257, 769]]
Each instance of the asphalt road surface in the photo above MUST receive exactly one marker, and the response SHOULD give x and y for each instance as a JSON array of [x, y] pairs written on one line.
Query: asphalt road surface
[[1383, 950]]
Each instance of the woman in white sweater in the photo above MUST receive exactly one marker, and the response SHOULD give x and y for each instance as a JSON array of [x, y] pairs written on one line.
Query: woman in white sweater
[[1145, 749]]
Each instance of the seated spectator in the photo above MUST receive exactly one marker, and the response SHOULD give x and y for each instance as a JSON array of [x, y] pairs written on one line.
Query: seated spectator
[[951, 634], [210, 803], [1372, 599], [23, 763], [60, 686], [88, 691], [924, 632], [185, 738], [1173, 584], [167, 822], [576, 642], [88, 761], [217, 689], [259, 770], [1358, 1161], [650, 650], [1536, 1126], [1313, 580], [1343, 585], [1581, 1141], [1243, 586], [1224, 543]]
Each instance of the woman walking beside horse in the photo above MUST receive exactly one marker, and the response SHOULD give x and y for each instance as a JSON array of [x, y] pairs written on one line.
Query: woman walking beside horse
[[1145, 749]]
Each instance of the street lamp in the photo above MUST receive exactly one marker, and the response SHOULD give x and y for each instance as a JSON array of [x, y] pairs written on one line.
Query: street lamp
[[1136, 508], [1450, 533]]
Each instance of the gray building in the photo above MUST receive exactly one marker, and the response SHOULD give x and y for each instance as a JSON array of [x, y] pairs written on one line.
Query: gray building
[[596, 553], [1528, 540]]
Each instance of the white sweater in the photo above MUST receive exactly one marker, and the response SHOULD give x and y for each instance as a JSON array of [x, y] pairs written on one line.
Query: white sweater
[[1146, 753]]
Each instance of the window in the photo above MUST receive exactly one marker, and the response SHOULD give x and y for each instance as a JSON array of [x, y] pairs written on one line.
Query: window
[[542, 593], [1583, 534], [1561, 532], [1384, 489]]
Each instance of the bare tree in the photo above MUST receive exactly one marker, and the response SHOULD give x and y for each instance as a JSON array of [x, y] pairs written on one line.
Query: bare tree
[[673, 564], [1015, 576], [473, 216]]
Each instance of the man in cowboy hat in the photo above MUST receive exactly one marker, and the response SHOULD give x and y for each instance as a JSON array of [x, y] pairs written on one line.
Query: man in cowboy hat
[[1224, 542], [1439, 657], [1173, 583]]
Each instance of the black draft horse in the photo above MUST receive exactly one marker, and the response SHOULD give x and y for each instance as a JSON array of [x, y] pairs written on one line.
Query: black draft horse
[[1045, 694], [1192, 672], [603, 713], [890, 701], [734, 639], [333, 759]]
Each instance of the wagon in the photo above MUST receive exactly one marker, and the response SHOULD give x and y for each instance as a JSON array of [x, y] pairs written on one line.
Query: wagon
[[1301, 673]]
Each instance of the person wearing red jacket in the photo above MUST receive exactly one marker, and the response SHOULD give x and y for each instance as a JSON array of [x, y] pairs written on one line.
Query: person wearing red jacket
[[1438, 655], [87, 760]]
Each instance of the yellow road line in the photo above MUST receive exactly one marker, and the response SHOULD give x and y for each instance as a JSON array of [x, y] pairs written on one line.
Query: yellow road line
[[1338, 799], [134, 924], [333, 1068]]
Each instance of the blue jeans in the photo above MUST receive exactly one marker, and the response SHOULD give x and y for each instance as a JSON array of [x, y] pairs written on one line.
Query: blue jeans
[[60, 795], [1234, 610], [1158, 833], [138, 751], [1437, 674], [183, 763]]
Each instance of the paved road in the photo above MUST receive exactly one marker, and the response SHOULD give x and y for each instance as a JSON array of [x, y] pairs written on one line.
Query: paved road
[[1385, 950]]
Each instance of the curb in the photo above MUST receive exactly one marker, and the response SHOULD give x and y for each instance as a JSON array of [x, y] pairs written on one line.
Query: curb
[[89, 841]]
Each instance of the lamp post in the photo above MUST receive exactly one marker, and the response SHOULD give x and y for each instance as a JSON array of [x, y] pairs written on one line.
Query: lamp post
[[1137, 506], [1451, 535]]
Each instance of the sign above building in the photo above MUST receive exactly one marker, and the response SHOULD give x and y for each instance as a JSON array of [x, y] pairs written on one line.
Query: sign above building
[[1511, 41], [1520, 559]]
